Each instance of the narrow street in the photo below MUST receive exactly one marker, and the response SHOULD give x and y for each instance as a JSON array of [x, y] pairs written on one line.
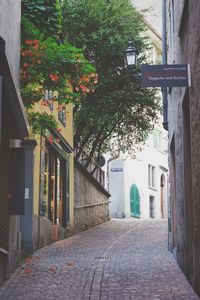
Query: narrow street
[[120, 259]]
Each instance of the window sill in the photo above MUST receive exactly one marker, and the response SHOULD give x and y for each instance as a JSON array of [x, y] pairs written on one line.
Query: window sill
[[153, 188]]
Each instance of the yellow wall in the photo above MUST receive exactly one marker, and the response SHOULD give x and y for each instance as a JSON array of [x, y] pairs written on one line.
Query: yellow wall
[[67, 133]]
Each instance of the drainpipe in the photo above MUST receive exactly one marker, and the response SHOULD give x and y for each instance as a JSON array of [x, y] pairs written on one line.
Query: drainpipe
[[164, 62]]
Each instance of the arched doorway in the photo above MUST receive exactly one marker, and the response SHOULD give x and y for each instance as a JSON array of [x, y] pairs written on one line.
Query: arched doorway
[[162, 196], [134, 201]]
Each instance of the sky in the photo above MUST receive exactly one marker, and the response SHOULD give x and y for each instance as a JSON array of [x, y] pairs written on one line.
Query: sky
[[154, 15]]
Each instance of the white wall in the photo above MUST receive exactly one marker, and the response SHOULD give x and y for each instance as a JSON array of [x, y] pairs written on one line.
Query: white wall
[[116, 188], [135, 171]]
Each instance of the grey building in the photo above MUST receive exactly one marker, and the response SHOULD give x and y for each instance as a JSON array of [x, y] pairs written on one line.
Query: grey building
[[183, 43], [13, 128]]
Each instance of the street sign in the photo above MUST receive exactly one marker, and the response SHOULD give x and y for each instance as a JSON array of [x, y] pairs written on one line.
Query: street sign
[[116, 169], [165, 76]]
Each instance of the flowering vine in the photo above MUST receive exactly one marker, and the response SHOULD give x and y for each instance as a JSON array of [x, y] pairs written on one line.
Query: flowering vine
[[47, 65]]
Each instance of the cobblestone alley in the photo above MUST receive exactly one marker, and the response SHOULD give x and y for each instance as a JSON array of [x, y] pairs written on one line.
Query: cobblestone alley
[[121, 259]]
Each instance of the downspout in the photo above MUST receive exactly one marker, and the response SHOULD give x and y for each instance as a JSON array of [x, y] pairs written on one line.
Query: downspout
[[164, 62]]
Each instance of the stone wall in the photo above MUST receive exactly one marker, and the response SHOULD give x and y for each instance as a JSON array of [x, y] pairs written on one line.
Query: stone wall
[[184, 131], [91, 200]]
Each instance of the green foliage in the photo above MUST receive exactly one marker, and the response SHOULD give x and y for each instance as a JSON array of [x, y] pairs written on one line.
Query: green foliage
[[44, 14], [41, 121], [119, 110], [48, 64]]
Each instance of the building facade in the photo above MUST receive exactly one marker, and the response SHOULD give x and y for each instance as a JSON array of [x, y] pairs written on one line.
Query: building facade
[[49, 192], [13, 129], [138, 186], [183, 41]]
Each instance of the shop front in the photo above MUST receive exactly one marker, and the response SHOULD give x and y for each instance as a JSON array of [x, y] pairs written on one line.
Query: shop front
[[54, 184]]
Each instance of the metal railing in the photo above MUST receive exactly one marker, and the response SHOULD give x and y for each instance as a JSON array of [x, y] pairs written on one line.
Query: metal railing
[[93, 168]]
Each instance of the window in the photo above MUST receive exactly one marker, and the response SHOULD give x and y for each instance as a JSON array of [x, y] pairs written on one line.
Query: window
[[48, 96], [152, 176], [158, 139], [44, 182], [62, 115], [54, 185]]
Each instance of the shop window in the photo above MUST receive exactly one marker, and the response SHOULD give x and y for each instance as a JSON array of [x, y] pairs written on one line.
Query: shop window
[[67, 192], [54, 182], [62, 115], [44, 182]]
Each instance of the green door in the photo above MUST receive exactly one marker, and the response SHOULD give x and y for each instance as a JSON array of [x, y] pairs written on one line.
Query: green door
[[135, 201]]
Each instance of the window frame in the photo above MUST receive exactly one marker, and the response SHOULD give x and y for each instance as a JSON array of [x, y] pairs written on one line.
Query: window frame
[[152, 177], [62, 115], [48, 96]]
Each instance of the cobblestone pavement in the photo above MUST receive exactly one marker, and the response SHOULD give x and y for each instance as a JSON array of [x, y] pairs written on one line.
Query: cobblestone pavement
[[118, 260]]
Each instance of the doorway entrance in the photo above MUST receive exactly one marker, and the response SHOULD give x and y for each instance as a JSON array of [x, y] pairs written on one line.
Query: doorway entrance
[[151, 207], [134, 201]]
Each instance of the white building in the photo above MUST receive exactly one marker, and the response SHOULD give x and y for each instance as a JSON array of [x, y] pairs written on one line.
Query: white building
[[138, 186]]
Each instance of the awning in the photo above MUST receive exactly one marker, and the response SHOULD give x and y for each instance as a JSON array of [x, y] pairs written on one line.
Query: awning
[[13, 93]]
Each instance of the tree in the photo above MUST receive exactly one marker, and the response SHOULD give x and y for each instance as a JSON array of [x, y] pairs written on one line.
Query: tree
[[119, 110], [49, 64]]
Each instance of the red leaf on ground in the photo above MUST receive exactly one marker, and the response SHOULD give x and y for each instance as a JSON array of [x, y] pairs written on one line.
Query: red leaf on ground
[[71, 263], [53, 269]]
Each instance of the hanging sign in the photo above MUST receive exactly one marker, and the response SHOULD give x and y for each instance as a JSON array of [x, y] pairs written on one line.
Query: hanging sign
[[165, 76]]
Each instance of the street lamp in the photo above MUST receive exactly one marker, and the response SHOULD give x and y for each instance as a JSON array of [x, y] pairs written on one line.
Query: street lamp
[[131, 55]]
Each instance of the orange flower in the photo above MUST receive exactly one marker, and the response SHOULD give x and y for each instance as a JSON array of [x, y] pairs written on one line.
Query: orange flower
[[53, 77], [36, 47], [35, 42], [28, 42], [82, 87]]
